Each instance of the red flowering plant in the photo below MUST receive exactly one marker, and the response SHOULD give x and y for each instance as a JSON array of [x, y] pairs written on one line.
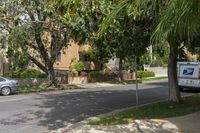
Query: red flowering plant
[[83, 74]]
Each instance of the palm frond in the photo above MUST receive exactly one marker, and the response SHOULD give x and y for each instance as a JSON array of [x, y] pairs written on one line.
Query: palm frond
[[180, 21]]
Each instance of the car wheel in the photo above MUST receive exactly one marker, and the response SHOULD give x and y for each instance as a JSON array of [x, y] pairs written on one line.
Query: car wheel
[[181, 89], [5, 91]]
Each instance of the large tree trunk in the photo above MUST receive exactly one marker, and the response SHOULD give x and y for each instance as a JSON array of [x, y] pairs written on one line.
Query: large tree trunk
[[174, 93], [52, 76], [120, 74]]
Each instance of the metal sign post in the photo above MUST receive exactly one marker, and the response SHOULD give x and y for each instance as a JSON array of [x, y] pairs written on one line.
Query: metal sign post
[[136, 82]]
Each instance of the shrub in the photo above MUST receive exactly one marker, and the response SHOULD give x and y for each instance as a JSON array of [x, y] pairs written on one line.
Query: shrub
[[30, 73], [157, 63], [99, 74], [95, 74], [76, 66], [145, 74], [15, 74]]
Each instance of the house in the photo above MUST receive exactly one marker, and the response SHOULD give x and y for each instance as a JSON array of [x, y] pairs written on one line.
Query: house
[[74, 50]]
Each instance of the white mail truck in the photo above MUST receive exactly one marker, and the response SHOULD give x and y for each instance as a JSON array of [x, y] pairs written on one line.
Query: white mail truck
[[188, 74]]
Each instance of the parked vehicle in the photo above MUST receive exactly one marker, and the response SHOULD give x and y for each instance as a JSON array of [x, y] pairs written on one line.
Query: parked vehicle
[[188, 75], [7, 86]]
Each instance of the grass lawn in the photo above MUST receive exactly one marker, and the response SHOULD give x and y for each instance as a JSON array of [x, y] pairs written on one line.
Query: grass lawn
[[40, 88], [152, 111], [143, 80], [153, 78], [29, 89]]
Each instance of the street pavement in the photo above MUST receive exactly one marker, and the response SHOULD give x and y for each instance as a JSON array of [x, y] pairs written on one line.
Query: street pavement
[[43, 112]]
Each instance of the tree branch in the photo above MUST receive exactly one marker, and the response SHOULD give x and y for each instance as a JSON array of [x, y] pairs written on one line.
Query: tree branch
[[37, 63]]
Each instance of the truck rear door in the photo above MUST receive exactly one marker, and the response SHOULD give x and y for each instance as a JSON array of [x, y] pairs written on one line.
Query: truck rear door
[[188, 75]]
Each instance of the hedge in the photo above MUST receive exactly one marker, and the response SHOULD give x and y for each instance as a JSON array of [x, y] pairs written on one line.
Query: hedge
[[29, 73], [145, 74], [99, 74], [95, 74]]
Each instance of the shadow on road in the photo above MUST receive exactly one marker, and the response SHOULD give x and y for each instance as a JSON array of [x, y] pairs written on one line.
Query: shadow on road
[[70, 108], [54, 111]]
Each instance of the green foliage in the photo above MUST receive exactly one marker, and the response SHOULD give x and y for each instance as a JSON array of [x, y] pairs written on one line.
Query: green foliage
[[179, 26], [41, 88], [30, 73], [35, 31], [145, 74], [127, 33], [30, 89], [99, 74], [95, 74], [129, 62], [157, 63], [161, 53], [68, 87], [145, 59], [17, 59], [76, 66], [92, 54]]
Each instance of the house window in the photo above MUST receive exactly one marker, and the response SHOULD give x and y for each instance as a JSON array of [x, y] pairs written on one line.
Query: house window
[[58, 57], [85, 57]]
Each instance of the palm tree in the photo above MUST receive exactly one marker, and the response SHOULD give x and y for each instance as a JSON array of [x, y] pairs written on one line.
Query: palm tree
[[178, 25]]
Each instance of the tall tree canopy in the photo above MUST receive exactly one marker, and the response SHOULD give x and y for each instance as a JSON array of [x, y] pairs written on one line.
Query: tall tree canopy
[[36, 31]]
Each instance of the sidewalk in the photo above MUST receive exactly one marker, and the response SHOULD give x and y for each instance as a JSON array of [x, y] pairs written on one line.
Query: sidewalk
[[97, 85], [138, 126], [105, 84], [187, 124], [184, 124]]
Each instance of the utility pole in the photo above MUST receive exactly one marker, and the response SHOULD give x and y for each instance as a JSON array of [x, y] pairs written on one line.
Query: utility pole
[[136, 82]]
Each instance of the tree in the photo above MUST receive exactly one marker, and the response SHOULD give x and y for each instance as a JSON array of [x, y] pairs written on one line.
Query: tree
[[178, 26], [136, 20], [120, 38], [86, 16], [36, 32], [131, 37]]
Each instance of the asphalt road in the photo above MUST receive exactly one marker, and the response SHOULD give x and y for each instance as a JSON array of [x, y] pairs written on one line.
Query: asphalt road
[[39, 113]]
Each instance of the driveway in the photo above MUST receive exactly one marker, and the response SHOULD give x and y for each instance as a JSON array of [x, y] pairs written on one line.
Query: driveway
[[40, 113]]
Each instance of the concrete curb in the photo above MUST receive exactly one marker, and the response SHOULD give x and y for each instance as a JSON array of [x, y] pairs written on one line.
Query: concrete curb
[[84, 122]]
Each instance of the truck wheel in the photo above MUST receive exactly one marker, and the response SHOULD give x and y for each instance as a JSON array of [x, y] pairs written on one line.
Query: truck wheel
[[181, 89]]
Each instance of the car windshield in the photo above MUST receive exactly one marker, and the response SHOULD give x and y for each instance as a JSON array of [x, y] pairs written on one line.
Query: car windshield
[[2, 79]]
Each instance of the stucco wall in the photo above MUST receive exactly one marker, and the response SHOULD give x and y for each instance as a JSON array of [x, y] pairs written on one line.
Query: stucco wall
[[159, 71], [67, 54], [30, 81]]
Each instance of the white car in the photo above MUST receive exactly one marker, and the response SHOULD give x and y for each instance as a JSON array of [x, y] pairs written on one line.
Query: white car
[[7, 86]]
